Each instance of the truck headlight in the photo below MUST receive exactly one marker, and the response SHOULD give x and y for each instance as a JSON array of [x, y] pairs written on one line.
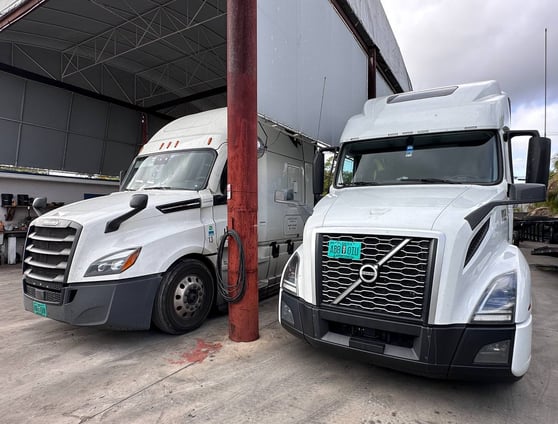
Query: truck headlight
[[289, 279], [498, 302], [114, 263]]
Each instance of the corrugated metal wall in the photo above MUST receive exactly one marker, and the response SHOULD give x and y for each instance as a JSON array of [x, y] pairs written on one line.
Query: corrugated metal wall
[[42, 126], [312, 73]]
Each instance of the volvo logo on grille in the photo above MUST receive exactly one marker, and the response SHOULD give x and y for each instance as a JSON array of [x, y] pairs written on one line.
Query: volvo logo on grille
[[368, 273]]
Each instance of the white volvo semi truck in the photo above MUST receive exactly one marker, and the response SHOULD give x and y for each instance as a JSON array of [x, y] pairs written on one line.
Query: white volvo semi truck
[[408, 261], [148, 252]]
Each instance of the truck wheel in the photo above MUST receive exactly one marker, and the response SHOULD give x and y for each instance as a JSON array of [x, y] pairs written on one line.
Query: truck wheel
[[184, 297]]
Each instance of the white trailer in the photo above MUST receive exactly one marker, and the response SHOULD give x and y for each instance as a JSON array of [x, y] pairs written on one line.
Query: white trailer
[[148, 252], [408, 261]]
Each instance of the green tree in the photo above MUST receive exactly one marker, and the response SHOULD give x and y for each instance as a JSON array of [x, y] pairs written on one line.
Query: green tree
[[328, 174], [552, 194]]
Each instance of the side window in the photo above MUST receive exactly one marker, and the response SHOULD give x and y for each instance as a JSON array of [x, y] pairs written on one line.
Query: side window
[[223, 181], [346, 172], [291, 187], [295, 182]]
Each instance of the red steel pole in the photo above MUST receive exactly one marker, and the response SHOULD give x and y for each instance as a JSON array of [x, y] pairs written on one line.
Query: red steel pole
[[242, 136]]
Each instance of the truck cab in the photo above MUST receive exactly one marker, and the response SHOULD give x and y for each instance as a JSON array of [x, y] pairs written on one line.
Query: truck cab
[[407, 262], [148, 253]]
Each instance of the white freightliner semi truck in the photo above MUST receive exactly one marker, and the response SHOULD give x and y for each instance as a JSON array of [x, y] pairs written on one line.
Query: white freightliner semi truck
[[408, 261], [148, 252]]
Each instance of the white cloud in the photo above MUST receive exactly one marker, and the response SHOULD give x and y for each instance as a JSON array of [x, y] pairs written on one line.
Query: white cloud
[[449, 42], [532, 116]]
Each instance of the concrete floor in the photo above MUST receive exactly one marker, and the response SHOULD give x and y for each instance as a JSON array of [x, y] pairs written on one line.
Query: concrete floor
[[54, 373]]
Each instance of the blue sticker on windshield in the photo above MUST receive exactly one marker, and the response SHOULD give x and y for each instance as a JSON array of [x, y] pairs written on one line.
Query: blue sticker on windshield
[[409, 152]]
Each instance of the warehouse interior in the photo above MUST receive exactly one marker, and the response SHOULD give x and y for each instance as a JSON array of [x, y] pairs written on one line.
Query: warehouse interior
[[85, 83]]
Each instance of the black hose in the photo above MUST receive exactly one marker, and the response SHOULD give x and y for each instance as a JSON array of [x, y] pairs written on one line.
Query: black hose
[[239, 287]]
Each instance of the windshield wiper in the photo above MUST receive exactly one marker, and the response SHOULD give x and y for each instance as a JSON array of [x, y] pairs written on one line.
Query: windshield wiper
[[429, 180], [361, 183], [159, 188]]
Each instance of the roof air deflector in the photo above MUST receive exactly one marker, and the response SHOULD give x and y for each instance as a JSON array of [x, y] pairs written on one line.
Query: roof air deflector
[[419, 95]]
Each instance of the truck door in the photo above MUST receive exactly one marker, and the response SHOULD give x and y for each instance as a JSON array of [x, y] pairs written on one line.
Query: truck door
[[215, 218]]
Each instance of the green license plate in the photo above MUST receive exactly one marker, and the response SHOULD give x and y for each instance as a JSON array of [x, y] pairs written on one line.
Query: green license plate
[[39, 308], [337, 249]]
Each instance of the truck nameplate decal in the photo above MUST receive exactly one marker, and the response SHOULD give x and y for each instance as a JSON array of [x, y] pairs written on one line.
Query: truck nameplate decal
[[337, 249], [365, 271]]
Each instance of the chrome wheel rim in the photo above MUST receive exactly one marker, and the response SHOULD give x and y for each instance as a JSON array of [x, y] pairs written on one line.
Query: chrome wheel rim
[[188, 296]]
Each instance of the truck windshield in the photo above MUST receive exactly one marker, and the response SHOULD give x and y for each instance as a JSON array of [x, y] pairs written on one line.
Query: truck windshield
[[447, 158], [178, 170]]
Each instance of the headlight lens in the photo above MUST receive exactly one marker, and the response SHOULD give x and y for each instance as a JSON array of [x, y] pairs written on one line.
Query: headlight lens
[[498, 301], [289, 279], [113, 264]]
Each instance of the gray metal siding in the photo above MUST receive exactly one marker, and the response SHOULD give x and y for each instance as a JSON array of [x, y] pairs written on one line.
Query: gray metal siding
[[312, 73], [47, 127]]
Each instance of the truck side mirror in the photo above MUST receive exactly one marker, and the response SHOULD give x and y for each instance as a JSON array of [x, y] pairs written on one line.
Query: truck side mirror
[[138, 201], [318, 179], [527, 193], [40, 202], [39, 205], [538, 161], [319, 171]]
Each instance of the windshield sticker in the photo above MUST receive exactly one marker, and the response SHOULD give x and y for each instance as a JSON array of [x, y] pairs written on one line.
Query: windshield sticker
[[409, 152]]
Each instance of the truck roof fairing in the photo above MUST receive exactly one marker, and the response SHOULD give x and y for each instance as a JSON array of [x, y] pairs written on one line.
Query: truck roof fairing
[[480, 105]]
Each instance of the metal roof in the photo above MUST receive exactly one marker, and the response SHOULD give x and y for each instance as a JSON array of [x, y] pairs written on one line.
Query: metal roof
[[160, 56], [151, 53]]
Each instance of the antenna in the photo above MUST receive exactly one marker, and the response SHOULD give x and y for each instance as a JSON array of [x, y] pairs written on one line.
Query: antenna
[[321, 108], [545, 62]]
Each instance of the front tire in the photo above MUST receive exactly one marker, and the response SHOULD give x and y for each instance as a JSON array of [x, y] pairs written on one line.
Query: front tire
[[184, 298]]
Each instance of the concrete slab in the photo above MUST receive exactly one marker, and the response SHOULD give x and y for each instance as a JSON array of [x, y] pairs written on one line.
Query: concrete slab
[[54, 373]]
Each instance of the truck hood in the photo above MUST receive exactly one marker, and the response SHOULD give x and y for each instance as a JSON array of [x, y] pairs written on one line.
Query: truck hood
[[418, 207], [107, 207]]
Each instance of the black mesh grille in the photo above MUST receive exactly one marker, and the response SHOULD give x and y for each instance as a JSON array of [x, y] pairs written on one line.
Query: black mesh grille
[[401, 287], [43, 295]]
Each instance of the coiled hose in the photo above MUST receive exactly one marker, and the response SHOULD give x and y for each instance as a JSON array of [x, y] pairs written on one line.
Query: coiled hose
[[239, 287]]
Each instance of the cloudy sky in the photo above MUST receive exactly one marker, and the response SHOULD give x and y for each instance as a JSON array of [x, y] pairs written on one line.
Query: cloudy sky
[[444, 42]]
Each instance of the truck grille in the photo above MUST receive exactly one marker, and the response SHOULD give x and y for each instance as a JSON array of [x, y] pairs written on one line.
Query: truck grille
[[400, 288], [47, 255]]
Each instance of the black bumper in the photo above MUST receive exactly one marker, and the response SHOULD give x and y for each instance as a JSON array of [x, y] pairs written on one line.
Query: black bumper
[[445, 352], [118, 305]]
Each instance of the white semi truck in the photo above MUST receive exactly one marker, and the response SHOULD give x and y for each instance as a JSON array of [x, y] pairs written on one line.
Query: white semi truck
[[148, 252], [408, 261]]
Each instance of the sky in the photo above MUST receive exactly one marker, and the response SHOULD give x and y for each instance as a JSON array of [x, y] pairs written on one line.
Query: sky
[[447, 42]]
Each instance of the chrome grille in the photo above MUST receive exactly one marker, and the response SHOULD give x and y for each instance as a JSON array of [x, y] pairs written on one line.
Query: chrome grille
[[401, 287], [47, 256]]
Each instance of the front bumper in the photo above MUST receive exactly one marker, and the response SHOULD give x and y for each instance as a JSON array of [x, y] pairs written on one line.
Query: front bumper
[[118, 305], [446, 352]]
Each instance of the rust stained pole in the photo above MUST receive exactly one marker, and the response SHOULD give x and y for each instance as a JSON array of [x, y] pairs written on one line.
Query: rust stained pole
[[242, 135]]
